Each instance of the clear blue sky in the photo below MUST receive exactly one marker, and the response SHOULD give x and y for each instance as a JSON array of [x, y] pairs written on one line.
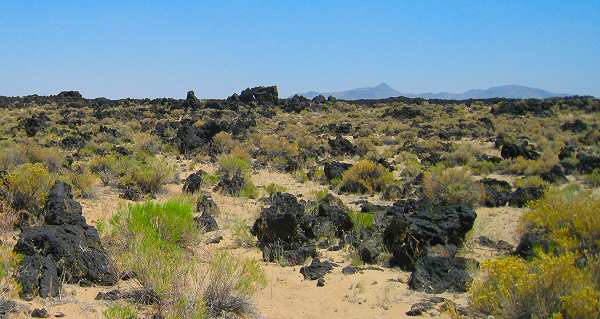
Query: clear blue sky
[[164, 48]]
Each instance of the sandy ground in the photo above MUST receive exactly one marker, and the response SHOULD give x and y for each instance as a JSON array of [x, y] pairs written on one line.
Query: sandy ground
[[369, 294]]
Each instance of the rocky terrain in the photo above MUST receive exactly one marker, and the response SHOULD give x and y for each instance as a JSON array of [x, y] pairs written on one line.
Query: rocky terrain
[[261, 207]]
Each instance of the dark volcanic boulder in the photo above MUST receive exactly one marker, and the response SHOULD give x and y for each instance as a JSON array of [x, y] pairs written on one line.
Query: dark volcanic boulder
[[281, 227], [523, 149], [555, 175], [260, 95], [33, 124], [333, 170], [231, 184], [341, 146], [206, 205], [523, 195], [497, 193], [437, 274], [65, 247], [332, 212], [296, 103], [193, 182], [206, 222], [529, 242], [191, 101], [370, 249], [319, 99], [587, 163], [317, 269], [409, 235], [576, 126], [61, 208]]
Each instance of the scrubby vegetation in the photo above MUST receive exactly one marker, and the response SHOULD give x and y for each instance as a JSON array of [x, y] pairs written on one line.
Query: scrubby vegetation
[[427, 187]]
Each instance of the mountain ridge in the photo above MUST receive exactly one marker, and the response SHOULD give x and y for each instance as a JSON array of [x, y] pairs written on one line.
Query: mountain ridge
[[383, 90]]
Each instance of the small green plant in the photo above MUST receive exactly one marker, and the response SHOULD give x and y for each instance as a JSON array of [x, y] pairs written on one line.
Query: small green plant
[[273, 188], [210, 179], [241, 234], [119, 311], [361, 221], [249, 190]]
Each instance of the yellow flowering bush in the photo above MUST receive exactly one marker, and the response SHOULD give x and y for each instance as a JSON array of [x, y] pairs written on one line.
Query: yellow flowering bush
[[548, 286]]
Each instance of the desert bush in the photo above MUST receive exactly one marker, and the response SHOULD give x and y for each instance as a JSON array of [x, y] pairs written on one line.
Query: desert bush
[[232, 165], [83, 182], [28, 185], [452, 186], [273, 188], [118, 311], [14, 155], [240, 231], [149, 176], [147, 143], [223, 142], [463, 155], [593, 178], [366, 177], [571, 220], [531, 181], [231, 283], [548, 286]]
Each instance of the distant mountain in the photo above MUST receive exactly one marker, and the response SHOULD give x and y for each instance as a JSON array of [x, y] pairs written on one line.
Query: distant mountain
[[380, 91], [383, 90]]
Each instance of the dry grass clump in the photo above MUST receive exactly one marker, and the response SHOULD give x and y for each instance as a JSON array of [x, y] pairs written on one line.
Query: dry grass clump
[[231, 283], [8, 217], [83, 181], [366, 177], [451, 186]]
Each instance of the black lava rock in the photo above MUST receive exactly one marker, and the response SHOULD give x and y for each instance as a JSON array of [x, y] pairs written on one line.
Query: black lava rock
[[437, 274]]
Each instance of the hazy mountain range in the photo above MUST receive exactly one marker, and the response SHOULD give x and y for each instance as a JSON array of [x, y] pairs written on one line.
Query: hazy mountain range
[[383, 90]]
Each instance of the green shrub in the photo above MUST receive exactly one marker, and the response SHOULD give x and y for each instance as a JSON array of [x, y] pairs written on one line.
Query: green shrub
[[361, 221], [153, 236], [366, 177], [463, 155], [249, 190], [28, 186], [452, 186], [118, 311]]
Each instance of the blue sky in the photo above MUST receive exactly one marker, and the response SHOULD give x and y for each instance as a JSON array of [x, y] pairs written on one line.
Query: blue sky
[[164, 48]]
